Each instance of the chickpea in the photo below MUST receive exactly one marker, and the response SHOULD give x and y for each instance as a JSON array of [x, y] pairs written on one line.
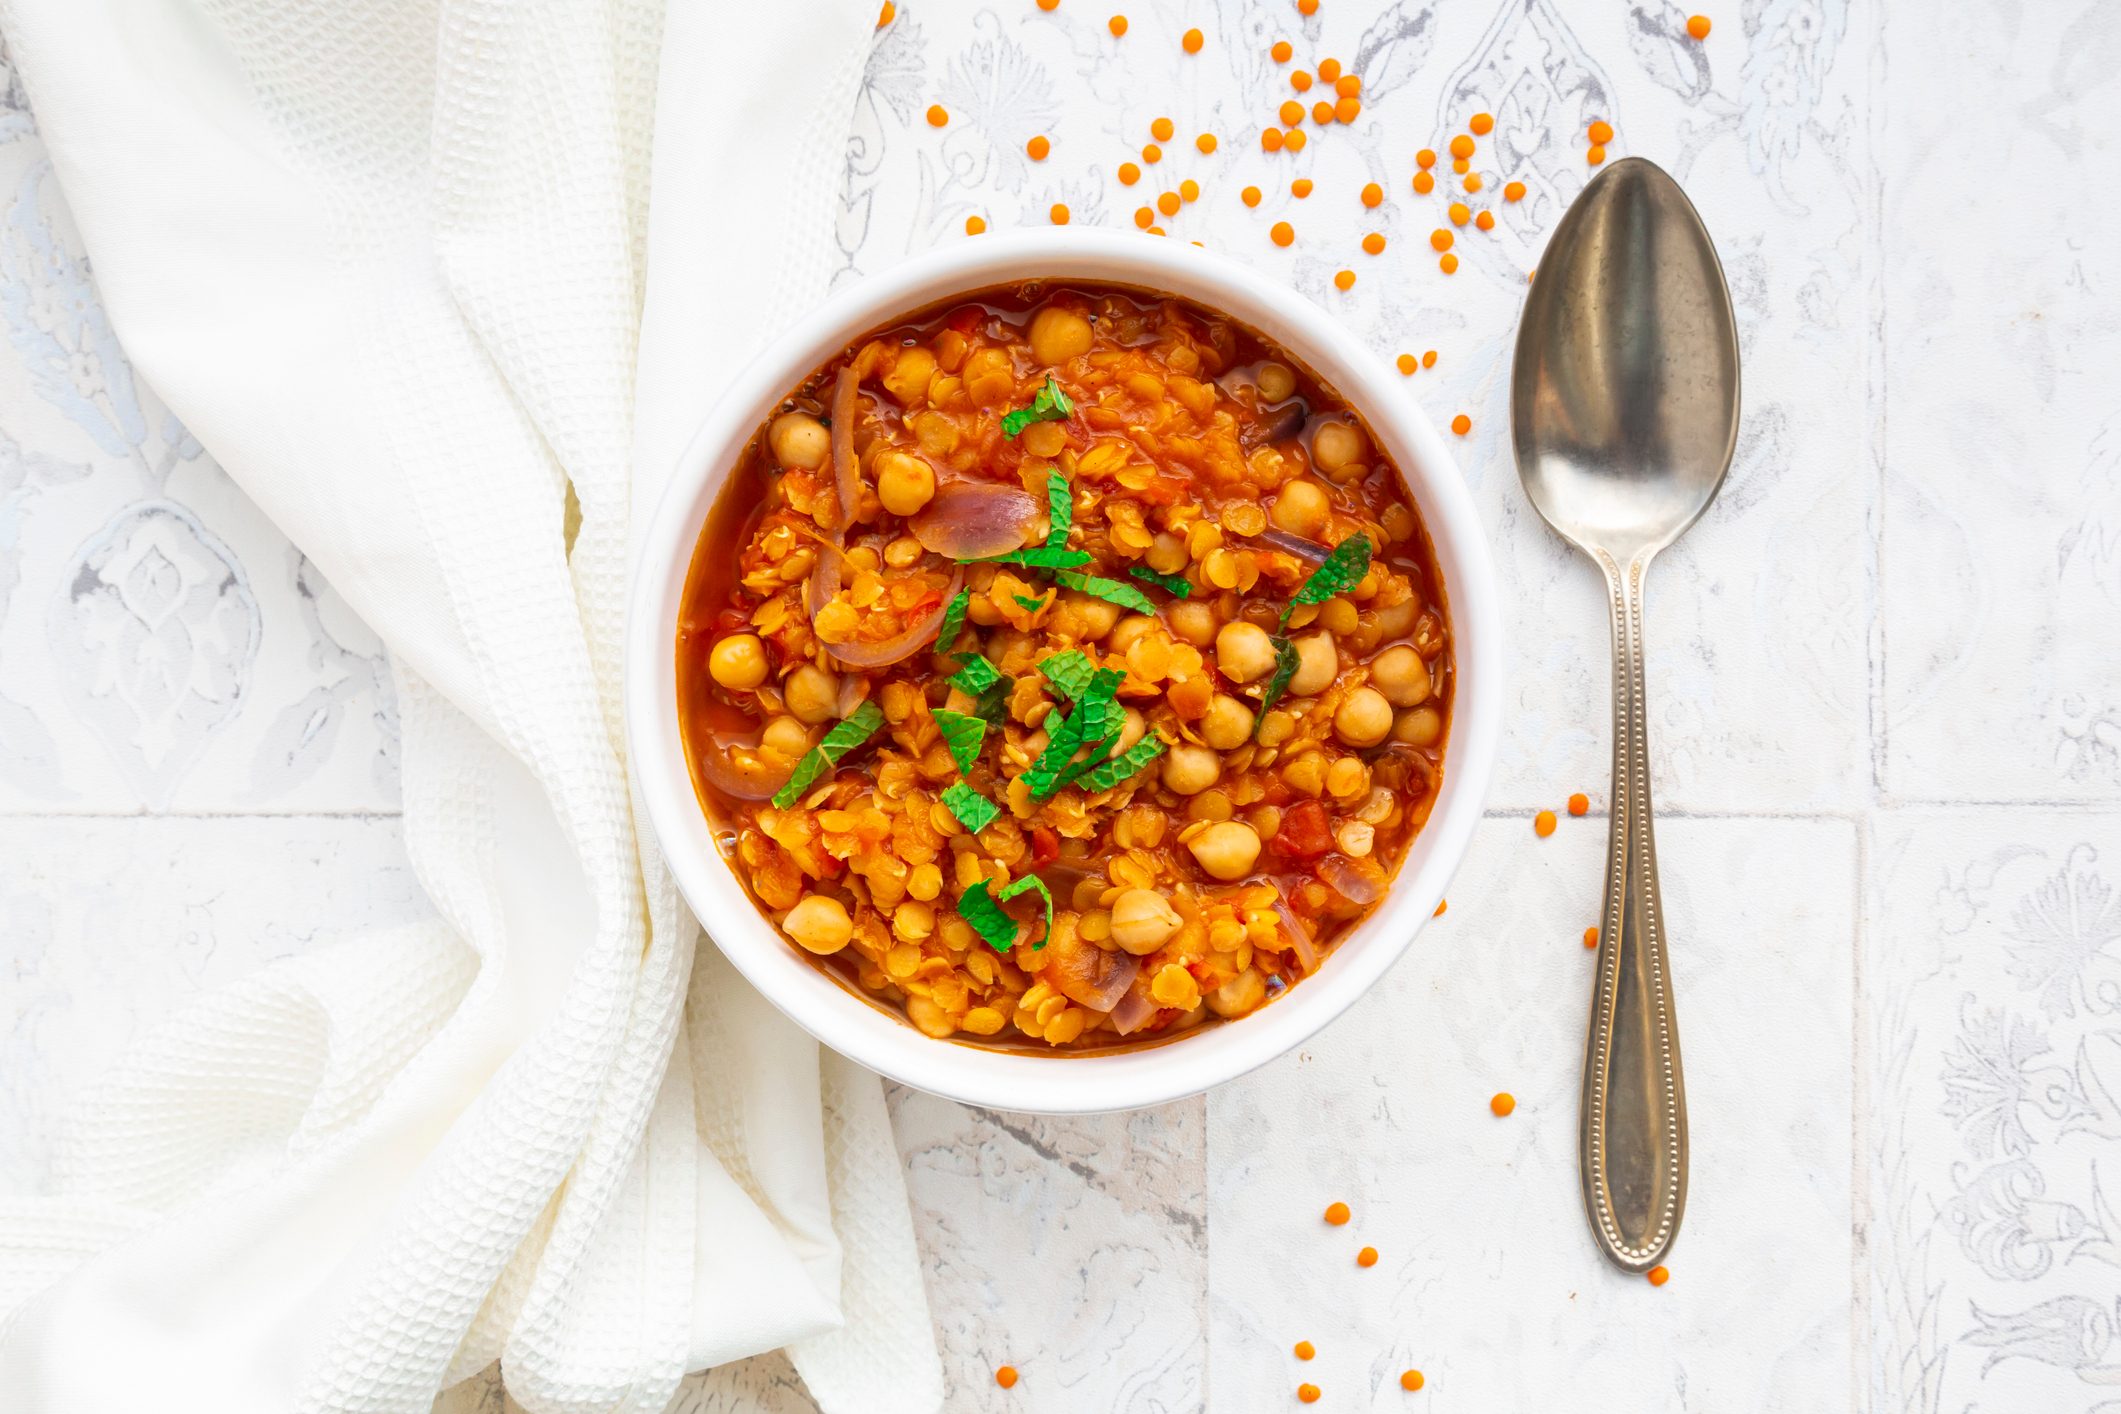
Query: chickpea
[[1193, 621], [1244, 652], [1275, 381], [1338, 448], [812, 694], [1130, 632], [1130, 732], [1300, 508], [1226, 850], [1317, 664], [785, 737], [1364, 718], [910, 371], [1189, 770], [1420, 727], [1058, 335], [799, 440], [1401, 676], [1096, 616], [1167, 553], [1240, 995], [1142, 921], [1228, 724], [904, 483], [819, 924], [738, 662]]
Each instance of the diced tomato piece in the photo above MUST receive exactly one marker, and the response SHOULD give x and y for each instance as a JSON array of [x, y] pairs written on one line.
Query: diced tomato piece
[[1304, 833], [1045, 845]]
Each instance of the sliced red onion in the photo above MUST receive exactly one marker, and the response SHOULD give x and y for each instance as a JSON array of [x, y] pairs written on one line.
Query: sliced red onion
[[733, 766], [971, 520], [825, 583], [847, 469], [1086, 974], [1360, 883], [1135, 1010], [1299, 935], [1309, 551]]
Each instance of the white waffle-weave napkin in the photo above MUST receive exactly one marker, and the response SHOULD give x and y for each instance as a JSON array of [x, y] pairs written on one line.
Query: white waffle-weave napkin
[[389, 260]]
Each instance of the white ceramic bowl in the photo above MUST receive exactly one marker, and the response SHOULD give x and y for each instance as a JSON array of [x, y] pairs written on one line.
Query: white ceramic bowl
[[1064, 1084]]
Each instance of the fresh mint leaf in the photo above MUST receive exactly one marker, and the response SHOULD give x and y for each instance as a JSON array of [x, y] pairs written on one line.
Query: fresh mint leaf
[[1069, 672], [1050, 405], [1096, 715], [1285, 660], [1338, 573], [1032, 881], [1060, 509], [974, 675], [973, 810], [977, 906], [962, 734], [1030, 603], [1174, 585], [991, 704], [1107, 774], [953, 621], [1112, 591], [858, 726], [1040, 557]]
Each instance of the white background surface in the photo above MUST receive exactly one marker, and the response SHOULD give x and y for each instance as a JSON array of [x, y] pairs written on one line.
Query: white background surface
[[1887, 733]]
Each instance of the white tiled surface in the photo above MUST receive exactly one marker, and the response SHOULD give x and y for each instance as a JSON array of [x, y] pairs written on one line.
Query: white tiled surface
[[1887, 734]]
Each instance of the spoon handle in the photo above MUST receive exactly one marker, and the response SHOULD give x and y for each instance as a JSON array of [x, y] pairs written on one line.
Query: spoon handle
[[1632, 1143]]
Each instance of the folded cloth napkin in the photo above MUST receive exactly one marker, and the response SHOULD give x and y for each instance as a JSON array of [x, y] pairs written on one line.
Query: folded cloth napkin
[[444, 285]]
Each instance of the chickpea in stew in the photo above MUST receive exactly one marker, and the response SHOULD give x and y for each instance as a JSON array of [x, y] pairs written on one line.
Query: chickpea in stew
[[1065, 668]]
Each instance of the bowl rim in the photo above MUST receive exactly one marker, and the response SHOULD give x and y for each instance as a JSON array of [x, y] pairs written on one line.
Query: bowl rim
[[882, 1041]]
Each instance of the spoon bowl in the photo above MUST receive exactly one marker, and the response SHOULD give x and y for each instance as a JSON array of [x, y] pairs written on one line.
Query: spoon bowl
[[1624, 395], [1624, 413]]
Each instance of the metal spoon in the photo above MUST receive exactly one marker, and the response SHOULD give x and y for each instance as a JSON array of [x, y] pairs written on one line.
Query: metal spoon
[[1624, 409]]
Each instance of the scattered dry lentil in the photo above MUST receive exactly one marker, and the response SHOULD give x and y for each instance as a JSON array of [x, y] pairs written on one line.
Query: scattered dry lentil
[[1543, 823], [1251, 194], [1367, 1257], [886, 15], [1460, 213], [1347, 110], [1373, 244], [1441, 905], [1502, 1103], [1049, 5], [1461, 146], [1270, 139], [1307, 8], [1461, 165], [975, 224], [1595, 156], [1348, 86], [1411, 1380], [1485, 220], [1307, 1393], [1441, 239], [1152, 154], [1658, 1276], [1601, 132], [1300, 80], [1192, 41], [1408, 363], [1579, 804], [1129, 174], [1006, 1375], [1482, 124], [1425, 158], [1282, 234], [1292, 113], [1373, 195], [1305, 1350], [1162, 128], [1205, 143], [1696, 25], [937, 115], [1144, 217], [1294, 139], [1300, 188], [1322, 113], [1472, 182], [1329, 69], [1282, 51], [1462, 424], [1428, 359], [1590, 937], [1168, 203], [1337, 1213], [1448, 264], [1345, 280], [1513, 191], [1424, 183], [1117, 24], [1037, 148], [1189, 190], [1059, 214]]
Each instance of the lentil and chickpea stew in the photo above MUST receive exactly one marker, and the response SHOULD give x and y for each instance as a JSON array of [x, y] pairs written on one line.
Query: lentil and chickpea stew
[[1065, 667]]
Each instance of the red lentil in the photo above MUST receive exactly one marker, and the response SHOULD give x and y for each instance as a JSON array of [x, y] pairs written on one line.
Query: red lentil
[[1424, 183], [1337, 1213], [1348, 109], [1205, 142], [1329, 69], [1513, 191], [1144, 217], [886, 15], [1485, 220], [974, 225], [1193, 41], [1292, 113], [1601, 132], [1250, 195], [1579, 804], [1282, 51], [1300, 188], [1117, 24], [1282, 234], [1037, 149], [1595, 156], [1428, 360], [1425, 158], [1294, 139], [1482, 124], [1270, 139], [1658, 1276], [1367, 1257], [1162, 128], [1441, 905], [937, 115], [1059, 214], [1168, 203], [1152, 154], [1590, 937], [1448, 264], [1441, 239], [1697, 26], [1345, 280], [1373, 244], [1129, 174], [1189, 190], [1460, 213], [1461, 146], [1307, 8], [1307, 1393], [1408, 363], [1411, 1380], [1472, 182], [1305, 1350], [1503, 1103], [1322, 113], [1300, 80], [1373, 195], [1006, 1375], [1348, 86], [1543, 823]]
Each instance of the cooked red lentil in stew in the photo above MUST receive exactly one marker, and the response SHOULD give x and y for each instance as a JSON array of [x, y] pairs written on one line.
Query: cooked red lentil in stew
[[1065, 667]]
